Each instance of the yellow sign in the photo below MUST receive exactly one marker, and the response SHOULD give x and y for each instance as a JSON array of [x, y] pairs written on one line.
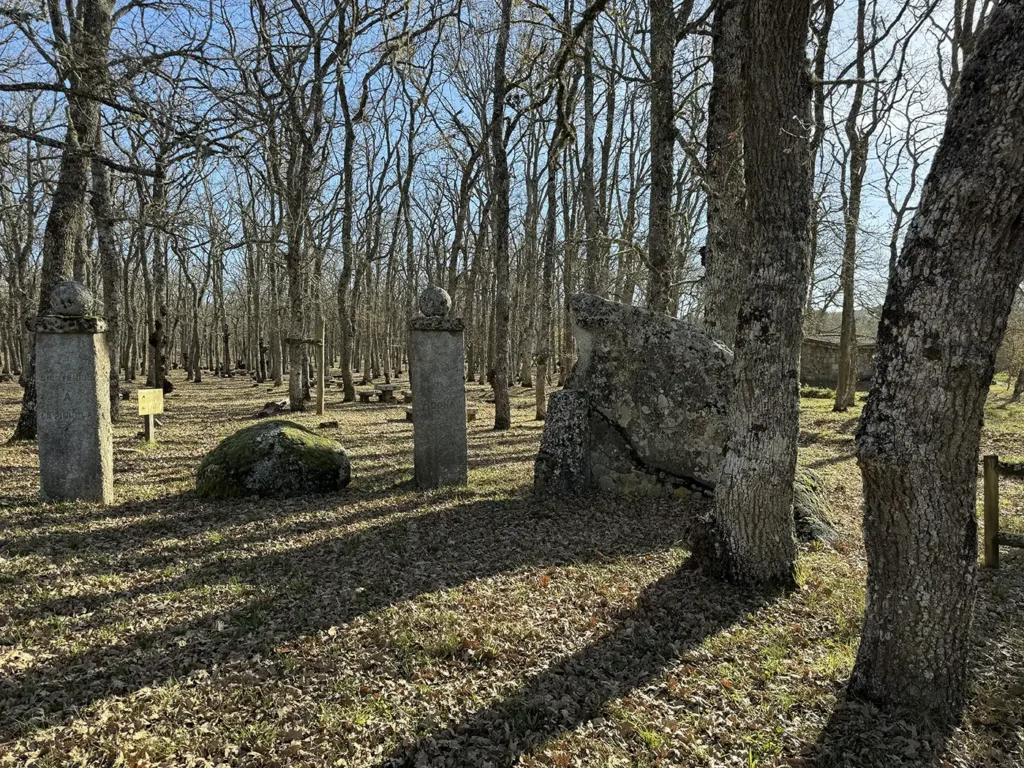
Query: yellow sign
[[151, 401]]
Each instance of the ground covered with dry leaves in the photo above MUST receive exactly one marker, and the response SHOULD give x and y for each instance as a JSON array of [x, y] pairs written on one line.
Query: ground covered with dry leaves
[[480, 627]]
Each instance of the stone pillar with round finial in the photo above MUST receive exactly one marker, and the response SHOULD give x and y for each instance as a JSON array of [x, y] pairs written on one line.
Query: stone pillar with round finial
[[76, 455], [438, 384]]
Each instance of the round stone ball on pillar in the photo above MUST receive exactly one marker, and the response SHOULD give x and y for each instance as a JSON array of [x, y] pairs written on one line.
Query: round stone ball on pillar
[[76, 453], [435, 302], [72, 299]]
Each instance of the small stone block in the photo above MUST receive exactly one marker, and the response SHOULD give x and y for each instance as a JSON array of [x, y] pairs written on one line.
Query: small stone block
[[364, 397], [471, 414]]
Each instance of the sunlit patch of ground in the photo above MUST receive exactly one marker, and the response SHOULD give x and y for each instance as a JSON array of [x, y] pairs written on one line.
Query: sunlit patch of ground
[[384, 626]]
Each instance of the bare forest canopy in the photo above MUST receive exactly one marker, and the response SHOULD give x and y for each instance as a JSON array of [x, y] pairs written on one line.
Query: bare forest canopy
[[246, 168]]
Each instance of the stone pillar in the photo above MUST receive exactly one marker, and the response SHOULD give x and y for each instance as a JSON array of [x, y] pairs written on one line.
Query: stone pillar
[[437, 370], [76, 454]]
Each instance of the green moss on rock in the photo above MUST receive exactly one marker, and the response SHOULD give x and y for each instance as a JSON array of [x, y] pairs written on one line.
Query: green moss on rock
[[275, 458]]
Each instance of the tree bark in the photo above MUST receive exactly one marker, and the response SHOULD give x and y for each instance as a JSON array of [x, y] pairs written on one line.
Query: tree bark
[[754, 497], [591, 215], [846, 385], [158, 337], [663, 139], [723, 255], [544, 330], [502, 406], [943, 319], [65, 220], [111, 269]]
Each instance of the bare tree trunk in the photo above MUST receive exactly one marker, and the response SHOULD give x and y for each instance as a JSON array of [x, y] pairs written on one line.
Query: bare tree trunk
[[344, 280], [530, 263], [754, 497], [544, 330], [846, 385], [20, 270], [67, 209], [111, 267], [570, 255], [663, 140], [943, 320], [502, 406], [474, 339], [723, 254], [591, 214]]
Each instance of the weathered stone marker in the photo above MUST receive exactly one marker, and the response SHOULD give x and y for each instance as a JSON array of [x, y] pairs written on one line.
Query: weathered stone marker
[[438, 381], [76, 454]]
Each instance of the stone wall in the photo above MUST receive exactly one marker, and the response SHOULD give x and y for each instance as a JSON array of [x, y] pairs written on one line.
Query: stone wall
[[819, 362]]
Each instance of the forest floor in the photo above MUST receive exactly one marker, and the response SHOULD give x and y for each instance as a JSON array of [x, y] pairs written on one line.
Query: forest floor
[[478, 627]]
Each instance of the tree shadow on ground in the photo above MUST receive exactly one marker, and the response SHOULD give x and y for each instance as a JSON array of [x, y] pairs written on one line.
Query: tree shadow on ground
[[861, 735], [827, 462], [672, 616], [291, 589]]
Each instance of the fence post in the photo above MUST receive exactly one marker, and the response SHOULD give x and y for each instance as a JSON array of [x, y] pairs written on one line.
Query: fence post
[[991, 533]]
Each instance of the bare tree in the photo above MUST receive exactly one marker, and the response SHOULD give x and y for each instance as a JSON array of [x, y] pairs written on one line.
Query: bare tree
[[944, 317], [754, 496]]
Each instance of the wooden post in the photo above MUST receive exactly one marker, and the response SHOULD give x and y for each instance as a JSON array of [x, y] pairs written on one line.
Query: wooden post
[[149, 428], [991, 533], [321, 359]]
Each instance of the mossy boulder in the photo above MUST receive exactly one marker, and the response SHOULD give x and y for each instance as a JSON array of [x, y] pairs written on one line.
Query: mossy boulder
[[275, 458]]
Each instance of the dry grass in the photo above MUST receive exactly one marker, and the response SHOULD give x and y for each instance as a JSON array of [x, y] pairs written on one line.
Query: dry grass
[[383, 626]]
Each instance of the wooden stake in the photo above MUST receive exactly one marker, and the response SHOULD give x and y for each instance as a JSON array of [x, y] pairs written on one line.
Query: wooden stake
[[991, 533], [149, 428]]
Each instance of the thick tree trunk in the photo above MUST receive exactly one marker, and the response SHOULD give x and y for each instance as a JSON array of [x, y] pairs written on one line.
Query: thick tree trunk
[[943, 320], [158, 338], [502, 406], [723, 254], [754, 497], [570, 256], [663, 140], [63, 224], [347, 260]]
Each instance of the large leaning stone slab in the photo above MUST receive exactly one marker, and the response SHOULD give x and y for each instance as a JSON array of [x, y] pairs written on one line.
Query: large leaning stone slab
[[563, 461], [660, 382], [275, 458]]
